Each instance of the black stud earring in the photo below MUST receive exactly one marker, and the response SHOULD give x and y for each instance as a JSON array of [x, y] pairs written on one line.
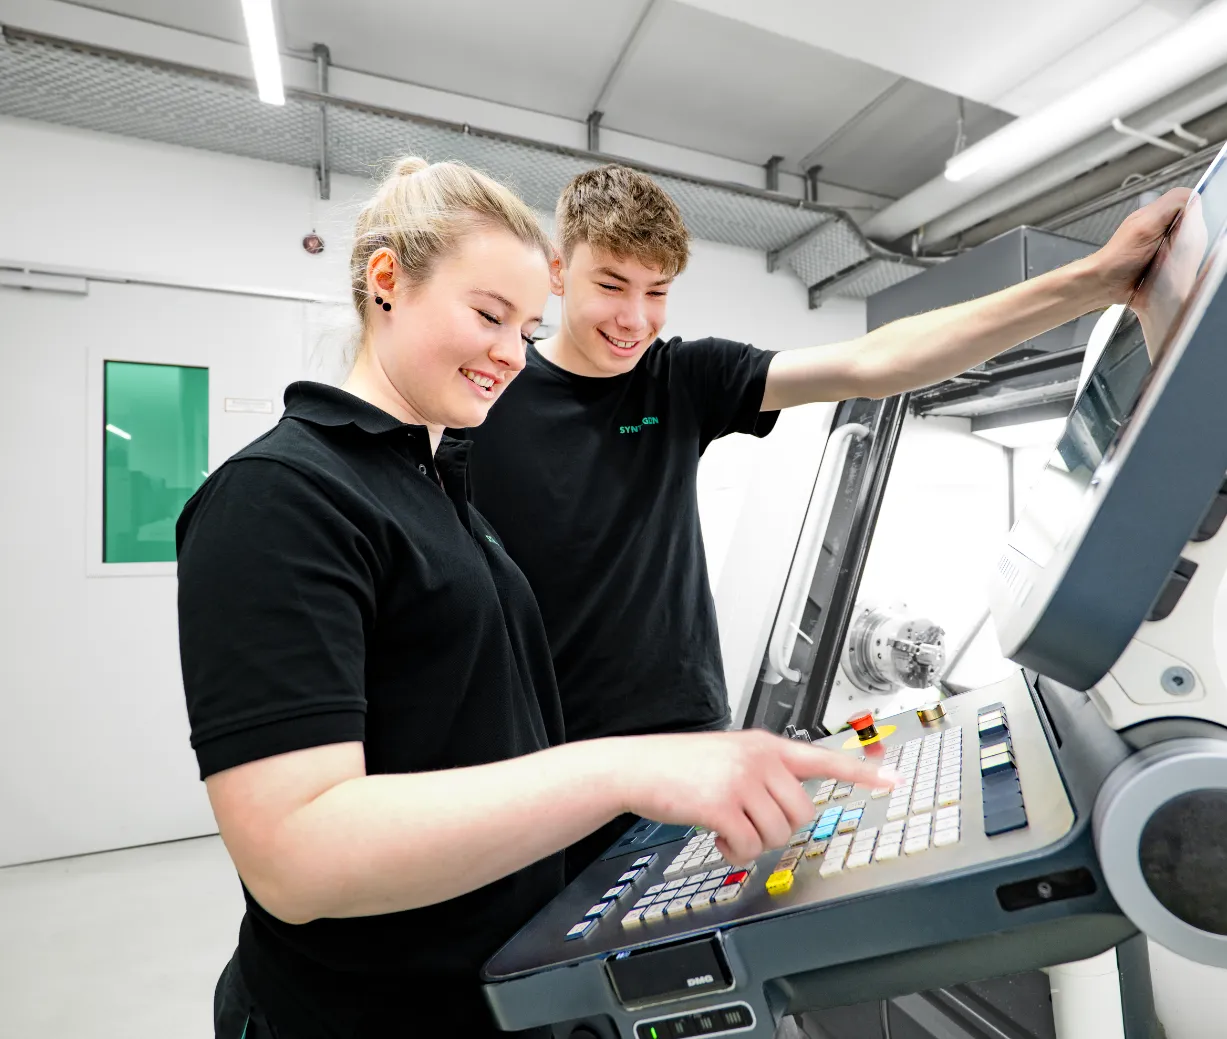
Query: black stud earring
[[380, 302]]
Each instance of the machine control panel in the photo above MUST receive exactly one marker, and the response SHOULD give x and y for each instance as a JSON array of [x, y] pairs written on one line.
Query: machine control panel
[[979, 785]]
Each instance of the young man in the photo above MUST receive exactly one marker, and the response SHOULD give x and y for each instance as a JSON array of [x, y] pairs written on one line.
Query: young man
[[587, 467]]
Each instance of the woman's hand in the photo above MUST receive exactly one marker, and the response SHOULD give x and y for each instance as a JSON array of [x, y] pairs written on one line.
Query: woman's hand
[[746, 786]]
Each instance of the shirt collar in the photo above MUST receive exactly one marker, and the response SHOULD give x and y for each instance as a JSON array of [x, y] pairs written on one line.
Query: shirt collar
[[322, 405]]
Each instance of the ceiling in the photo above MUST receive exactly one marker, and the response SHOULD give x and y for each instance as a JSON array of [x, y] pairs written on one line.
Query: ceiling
[[870, 91]]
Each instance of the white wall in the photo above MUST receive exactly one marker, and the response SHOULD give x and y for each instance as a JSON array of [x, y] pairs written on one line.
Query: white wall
[[89, 677], [94, 742]]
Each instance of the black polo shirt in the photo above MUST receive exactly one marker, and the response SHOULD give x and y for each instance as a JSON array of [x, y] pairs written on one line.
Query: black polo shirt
[[333, 589], [592, 482]]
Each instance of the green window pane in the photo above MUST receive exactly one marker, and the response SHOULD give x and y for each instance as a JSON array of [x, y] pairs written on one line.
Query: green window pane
[[156, 456]]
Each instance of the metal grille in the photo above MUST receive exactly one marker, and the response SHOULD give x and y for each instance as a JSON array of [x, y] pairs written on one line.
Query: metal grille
[[57, 84], [832, 249], [74, 85], [874, 277]]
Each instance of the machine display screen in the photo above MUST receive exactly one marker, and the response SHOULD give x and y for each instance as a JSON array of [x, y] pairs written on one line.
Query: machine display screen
[[1123, 369]]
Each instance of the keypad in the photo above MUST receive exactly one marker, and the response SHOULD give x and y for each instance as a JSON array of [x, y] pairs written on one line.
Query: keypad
[[699, 853], [690, 894], [923, 814], [932, 771], [1000, 788]]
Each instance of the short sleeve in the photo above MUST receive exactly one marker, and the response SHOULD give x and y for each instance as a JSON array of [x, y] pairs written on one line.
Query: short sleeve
[[727, 382], [276, 592]]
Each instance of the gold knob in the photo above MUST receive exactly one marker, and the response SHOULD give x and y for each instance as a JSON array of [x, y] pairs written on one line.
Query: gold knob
[[934, 712]]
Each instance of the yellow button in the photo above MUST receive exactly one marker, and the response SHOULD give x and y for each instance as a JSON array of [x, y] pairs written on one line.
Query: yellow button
[[779, 882]]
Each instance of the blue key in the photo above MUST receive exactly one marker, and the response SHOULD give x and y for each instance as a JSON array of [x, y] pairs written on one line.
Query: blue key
[[581, 930], [1004, 821]]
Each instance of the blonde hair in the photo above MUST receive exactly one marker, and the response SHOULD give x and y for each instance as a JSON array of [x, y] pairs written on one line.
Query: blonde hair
[[626, 213], [422, 211]]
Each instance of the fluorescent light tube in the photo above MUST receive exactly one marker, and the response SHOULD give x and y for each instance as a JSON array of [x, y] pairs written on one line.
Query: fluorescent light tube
[[262, 38]]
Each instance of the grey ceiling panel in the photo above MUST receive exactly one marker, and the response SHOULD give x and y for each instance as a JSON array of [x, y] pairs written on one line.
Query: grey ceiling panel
[[721, 86], [905, 141]]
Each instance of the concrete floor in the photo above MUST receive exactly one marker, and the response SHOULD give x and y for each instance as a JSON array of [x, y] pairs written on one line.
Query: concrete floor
[[125, 945]]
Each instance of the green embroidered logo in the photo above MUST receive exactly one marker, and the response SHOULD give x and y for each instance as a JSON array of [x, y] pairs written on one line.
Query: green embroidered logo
[[648, 420]]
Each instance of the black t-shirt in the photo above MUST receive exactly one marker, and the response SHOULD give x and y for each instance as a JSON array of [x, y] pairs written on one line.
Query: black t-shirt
[[331, 589], [592, 484]]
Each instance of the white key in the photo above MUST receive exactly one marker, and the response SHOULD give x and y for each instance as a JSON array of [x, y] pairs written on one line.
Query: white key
[[867, 834], [632, 918], [947, 836], [886, 851], [654, 911], [916, 845], [922, 820], [858, 859], [655, 889], [896, 812], [946, 824], [674, 884], [922, 804], [674, 868], [948, 813], [892, 827], [828, 869], [950, 797], [881, 791], [698, 878], [713, 859]]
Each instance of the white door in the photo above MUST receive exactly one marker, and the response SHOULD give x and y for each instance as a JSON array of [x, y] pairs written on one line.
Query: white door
[[94, 750]]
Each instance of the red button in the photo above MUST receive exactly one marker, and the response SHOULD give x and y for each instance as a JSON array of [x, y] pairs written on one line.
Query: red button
[[861, 721], [736, 878]]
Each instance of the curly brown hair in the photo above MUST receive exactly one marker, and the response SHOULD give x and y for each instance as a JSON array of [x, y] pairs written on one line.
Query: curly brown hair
[[624, 212]]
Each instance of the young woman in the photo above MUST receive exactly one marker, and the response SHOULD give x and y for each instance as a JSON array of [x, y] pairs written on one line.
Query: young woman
[[368, 681]]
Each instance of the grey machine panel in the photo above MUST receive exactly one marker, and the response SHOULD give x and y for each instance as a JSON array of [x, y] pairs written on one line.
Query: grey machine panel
[[834, 939]]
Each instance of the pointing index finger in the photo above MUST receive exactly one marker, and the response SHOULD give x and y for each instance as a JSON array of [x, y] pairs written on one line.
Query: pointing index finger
[[809, 762]]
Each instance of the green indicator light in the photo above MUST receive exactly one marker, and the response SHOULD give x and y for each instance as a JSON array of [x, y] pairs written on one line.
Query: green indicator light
[[653, 1033]]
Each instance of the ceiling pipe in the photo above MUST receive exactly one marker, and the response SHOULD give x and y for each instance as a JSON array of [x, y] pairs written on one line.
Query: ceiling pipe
[[1195, 49], [1192, 101], [1068, 193]]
